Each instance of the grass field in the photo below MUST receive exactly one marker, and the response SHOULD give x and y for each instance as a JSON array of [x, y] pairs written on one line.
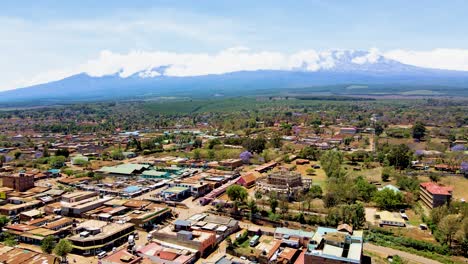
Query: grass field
[[319, 177]]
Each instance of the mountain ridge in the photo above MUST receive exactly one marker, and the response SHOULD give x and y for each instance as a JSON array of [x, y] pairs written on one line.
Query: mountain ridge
[[328, 69]]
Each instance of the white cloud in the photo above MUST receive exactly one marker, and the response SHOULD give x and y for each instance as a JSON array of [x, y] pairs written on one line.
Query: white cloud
[[450, 59], [234, 59], [371, 57]]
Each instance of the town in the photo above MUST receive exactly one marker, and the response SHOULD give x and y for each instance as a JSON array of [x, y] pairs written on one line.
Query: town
[[298, 186]]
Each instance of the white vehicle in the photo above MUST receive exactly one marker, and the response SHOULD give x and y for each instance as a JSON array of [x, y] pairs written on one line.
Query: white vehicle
[[102, 254], [131, 240]]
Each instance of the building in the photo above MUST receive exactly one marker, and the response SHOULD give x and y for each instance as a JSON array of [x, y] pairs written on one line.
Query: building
[[154, 174], [390, 219], [231, 163], [83, 206], [29, 234], [293, 237], [200, 240], [20, 183], [200, 232], [348, 130], [247, 180], [14, 209], [332, 246], [22, 255], [176, 193], [126, 169], [92, 236], [434, 195], [164, 254], [77, 196], [146, 219], [284, 182], [121, 257]]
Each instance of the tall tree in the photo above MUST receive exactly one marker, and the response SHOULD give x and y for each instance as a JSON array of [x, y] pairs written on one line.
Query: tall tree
[[48, 244], [331, 163], [62, 249], [448, 226], [419, 130], [237, 194], [399, 156]]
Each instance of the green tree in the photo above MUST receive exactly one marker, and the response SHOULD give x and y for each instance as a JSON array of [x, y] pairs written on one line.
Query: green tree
[[197, 154], [386, 173], [237, 194], [45, 152], [315, 191], [62, 249], [61, 152], [98, 177], [434, 177], [117, 154], [17, 154], [3, 221], [331, 163], [310, 153], [388, 199], [365, 189], [399, 156], [284, 206], [211, 154], [273, 204], [378, 129], [48, 244], [9, 240], [212, 143], [255, 145], [276, 141], [252, 205], [57, 162], [448, 226], [419, 130], [197, 143]]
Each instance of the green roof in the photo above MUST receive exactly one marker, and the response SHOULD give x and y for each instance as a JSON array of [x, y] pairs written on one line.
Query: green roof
[[126, 168], [294, 232], [176, 189], [155, 173]]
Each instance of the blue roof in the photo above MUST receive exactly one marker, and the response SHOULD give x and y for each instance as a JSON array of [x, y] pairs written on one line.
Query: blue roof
[[391, 187], [54, 170], [132, 189], [322, 230], [181, 222], [294, 232]]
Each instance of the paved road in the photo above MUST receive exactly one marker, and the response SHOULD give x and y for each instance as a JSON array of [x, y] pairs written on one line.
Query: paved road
[[405, 255]]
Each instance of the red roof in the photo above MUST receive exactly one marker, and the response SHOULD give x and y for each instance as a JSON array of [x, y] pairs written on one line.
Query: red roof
[[167, 255], [434, 188], [247, 179]]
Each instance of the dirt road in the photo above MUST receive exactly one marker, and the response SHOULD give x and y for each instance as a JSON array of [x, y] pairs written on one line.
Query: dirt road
[[405, 255]]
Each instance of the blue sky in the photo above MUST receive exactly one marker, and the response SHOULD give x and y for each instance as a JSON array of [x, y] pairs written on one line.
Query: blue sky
[[45, 40]]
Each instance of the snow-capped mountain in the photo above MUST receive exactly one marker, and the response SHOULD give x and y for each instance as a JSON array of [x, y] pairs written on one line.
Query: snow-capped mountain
[[308, 69]]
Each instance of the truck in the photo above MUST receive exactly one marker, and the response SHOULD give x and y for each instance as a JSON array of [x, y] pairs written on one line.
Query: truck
[[254, 241]]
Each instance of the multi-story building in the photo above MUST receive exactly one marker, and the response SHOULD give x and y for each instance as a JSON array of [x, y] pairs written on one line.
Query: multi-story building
[[330, 245], [83, 206], [93, 235], [434, 195], [77, 196], [20, 183], [284, 182]]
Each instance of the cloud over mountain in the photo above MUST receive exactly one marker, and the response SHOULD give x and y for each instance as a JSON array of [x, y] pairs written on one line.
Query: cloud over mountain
[[149, 64]]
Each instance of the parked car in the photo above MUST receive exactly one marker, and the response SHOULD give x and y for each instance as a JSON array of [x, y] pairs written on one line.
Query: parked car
[[102, 254]]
